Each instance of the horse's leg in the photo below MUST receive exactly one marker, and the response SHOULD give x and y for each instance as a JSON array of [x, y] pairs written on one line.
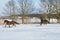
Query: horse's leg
[[9, 26], [5, 25], [14, 25], [41, 23]]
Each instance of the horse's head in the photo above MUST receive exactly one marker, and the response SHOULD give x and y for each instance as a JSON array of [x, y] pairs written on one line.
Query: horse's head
[[5, 20]]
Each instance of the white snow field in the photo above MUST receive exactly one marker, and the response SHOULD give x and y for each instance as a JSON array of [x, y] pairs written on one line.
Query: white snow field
[[30, 32]]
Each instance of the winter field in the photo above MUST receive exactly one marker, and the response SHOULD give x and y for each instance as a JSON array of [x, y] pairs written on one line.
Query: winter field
[[30, 32]]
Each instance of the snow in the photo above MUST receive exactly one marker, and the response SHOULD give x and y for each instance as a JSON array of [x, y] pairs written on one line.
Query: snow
[[30, 32]]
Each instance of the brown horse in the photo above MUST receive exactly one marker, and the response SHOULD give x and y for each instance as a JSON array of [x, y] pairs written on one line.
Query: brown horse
[[43, 21], [7, 22]]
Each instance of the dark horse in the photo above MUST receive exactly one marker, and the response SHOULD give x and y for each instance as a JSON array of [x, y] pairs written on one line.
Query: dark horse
[[43, 21], [7, 22]]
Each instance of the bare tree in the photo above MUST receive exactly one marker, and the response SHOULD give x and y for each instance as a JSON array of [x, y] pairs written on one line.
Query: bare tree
[[55, 8], [25, 6], [10, 9], [44, 8]]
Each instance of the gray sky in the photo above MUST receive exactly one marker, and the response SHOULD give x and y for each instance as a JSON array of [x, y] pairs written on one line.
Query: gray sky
[[2, 4]]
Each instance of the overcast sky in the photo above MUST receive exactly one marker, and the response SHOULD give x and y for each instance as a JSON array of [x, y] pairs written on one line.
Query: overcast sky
[[3, 2]]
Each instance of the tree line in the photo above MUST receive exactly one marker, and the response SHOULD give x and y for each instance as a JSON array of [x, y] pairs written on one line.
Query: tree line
[[25, 7]]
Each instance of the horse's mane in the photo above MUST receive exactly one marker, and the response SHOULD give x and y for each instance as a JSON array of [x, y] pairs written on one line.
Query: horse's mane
[[8, 19]]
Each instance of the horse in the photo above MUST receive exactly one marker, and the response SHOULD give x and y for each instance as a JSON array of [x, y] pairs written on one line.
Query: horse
[[7, 22], [44, 21]]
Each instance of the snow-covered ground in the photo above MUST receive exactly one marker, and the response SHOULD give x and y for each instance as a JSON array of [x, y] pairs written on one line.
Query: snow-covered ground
[[30, 32]]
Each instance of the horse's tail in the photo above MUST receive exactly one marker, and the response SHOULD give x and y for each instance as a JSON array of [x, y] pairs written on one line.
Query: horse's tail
[[17, 23]]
